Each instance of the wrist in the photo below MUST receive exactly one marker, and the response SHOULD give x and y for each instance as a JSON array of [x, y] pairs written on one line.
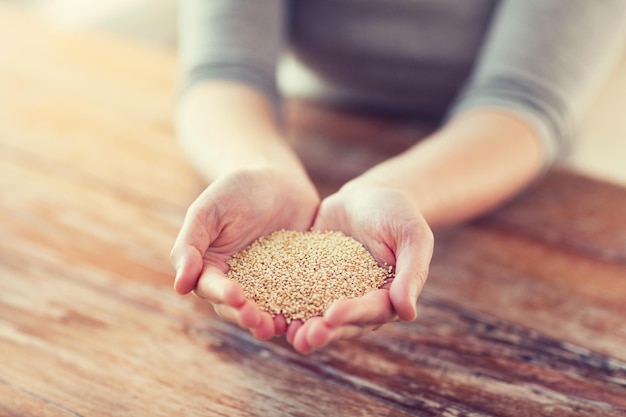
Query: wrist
[[218, 155], [381, 181], [224, 127], [470, 166]]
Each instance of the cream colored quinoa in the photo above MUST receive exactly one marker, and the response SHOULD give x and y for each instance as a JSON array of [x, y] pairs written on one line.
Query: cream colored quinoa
[[300, 274]]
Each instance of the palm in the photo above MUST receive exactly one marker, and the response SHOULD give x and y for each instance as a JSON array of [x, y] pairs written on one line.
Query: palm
[[244, 207], [394, 232], [228, 216]]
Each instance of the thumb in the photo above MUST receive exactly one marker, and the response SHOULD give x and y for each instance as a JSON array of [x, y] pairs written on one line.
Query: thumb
[[412, 264], [192, 242], [187, 261]]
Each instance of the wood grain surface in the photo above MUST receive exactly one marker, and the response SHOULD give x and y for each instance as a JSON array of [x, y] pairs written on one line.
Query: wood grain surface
[[523, 314]]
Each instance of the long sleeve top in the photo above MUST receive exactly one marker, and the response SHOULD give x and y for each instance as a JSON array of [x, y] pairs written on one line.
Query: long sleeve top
[[540, 59]]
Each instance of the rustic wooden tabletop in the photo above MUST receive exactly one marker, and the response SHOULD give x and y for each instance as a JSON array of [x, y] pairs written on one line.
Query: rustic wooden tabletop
[[523, 314]]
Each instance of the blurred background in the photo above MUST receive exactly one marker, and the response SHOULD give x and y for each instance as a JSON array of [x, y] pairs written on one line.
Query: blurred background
[[601, 148], [141, 20]]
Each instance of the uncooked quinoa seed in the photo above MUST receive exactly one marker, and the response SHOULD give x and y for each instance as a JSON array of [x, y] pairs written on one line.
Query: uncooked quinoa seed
[[300, 274]]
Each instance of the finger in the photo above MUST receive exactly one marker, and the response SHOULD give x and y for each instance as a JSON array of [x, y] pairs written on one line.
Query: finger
[[300, 344], [187, 261], [317, 332], [320, 335], [216, 288], [348, 332], [265, 329], [247, 315], [373, 308], [280, 325], [192, 242], [412, 261], [292, 329]]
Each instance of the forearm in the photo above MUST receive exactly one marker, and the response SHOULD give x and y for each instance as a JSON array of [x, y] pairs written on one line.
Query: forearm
[[224, 126], [475, 162]]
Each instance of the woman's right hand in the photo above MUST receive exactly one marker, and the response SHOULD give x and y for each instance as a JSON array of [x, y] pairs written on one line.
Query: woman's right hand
[[230, 214]]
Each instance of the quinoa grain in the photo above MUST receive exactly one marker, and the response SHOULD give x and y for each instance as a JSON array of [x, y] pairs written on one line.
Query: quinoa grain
[[300, 274]]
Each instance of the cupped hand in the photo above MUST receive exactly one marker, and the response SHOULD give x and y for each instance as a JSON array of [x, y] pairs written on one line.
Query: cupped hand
[[230, 214], [391, 227]]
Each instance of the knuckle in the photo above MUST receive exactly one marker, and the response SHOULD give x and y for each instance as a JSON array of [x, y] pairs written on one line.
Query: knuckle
[[421, 276]]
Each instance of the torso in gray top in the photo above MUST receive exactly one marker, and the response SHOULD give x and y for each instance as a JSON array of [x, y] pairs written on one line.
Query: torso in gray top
[[541, 59], [394, 55]]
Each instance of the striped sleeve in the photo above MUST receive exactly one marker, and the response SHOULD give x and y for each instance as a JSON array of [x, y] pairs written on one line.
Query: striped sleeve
[[234, 40], [543, 60]]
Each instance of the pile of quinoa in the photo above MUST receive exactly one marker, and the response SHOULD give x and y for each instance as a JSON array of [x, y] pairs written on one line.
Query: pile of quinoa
[[300, 274]]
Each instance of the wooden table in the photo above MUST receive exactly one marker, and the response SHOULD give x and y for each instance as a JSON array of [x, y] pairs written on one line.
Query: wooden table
[[523, 314]]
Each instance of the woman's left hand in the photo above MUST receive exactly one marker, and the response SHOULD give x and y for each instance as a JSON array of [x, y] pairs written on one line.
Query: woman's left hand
[[391, 227]]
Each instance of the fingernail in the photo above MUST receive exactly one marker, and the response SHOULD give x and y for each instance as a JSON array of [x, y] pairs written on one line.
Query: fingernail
[[177, 276], [413, 297], [414, 308]]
